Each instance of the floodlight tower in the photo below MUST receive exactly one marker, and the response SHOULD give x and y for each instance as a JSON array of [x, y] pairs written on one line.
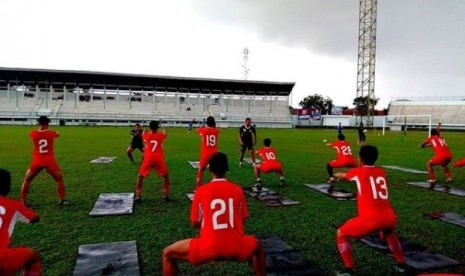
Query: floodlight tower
[[367, 54], [245, 64]]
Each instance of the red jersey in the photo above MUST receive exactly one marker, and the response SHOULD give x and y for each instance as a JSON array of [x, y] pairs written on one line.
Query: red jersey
[[209, 138], [154, 144], [43, 142], [439, 145], [268, 154], [343, 150], [372, 193], [221, 208], [12, 211]]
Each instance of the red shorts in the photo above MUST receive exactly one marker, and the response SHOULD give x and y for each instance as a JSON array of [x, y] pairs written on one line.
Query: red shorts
[[240, 250], [158, 165], [443, 159], [205, 157], [460, 163], [13, 259], [267, 167], [360, 226], [48, 163], [343, 163]]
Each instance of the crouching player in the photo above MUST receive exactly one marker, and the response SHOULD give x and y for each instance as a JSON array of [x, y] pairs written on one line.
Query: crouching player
[[219, 209], [442, 156], [209, 146], [13, 259], [344, 159], [375, 212], [269, 163]]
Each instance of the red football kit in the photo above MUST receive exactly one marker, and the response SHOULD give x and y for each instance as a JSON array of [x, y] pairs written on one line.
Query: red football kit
[[269, 161], [374, 208], [209, 144], [442, 154], [344, 155], [460, 163], [221, 209], [43, 155], [13, 259], [153, 154]]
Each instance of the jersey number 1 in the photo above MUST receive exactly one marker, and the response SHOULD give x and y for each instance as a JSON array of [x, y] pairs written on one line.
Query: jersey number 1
[[221, 211], [2, 212]]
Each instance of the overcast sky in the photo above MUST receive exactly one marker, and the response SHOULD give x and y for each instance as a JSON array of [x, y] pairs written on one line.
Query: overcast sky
[[420, 43]]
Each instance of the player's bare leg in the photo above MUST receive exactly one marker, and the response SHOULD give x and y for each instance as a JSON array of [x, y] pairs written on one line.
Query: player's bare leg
[[257, 185], [139, 183], [176, 251], [199, 177], [241, 158], [394, 245], [431, 174], [166, 187], [252, 156], [281, 177], [330, 170], [447, 171], [30, 175], [129, 151], [34, 266], [460, 163], [58, 177], [345, 250], [259, 261]]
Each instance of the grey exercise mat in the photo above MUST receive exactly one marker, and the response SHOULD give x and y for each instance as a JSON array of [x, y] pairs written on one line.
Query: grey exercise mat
[[440, 188], [270, 198], [338, 193], [113, 204], [117, 258], [249, 161], [397, 168], [103, 160], [282, 259], [194, 164], [190, 196], [449, 217], [414, 255]]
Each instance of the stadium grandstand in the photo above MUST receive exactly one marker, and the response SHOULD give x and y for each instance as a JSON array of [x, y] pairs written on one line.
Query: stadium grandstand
[[414, 112], [98, 98]]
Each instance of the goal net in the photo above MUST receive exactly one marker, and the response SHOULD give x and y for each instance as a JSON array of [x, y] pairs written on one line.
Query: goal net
[[404, 122]]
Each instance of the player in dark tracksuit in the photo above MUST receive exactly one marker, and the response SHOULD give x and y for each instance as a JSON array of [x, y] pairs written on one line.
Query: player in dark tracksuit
[[136, 141], [248, 139]]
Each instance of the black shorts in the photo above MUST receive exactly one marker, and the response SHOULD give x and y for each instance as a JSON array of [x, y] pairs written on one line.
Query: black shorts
[[361, 138], [248, 146], [135, 146]]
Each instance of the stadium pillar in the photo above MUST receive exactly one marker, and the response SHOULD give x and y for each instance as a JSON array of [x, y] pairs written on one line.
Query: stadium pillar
[[154, 95], [130, 101], [49, 96], [104, 97], [76, 95], [188, 96], [91, 94], [166, 98], [37, 92], [64, 92], [17, 99]]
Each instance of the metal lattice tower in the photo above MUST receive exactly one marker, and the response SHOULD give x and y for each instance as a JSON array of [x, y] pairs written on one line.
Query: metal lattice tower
[[367, 54], [245, 64]]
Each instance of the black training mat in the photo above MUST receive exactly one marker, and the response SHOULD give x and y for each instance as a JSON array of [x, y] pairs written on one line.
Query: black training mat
[[402, 169], [449, 217], [194, 164], [118, 258], [439, 188], [338, 193], [269, 197], [103, 160], [281, 259], [415, 255], [113, 204]]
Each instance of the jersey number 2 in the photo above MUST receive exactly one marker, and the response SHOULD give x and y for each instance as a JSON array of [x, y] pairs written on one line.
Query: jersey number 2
[[43, 146], [221, 211]]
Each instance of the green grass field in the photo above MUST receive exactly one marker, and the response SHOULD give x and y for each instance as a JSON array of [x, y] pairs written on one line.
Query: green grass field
[[156, 224]]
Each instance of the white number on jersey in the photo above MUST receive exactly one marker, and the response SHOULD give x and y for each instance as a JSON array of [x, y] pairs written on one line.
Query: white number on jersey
[[378, 187], [442, 142], [270, 156], [154, 144], [2, 212], [43, 146], [222, 211], [211, 140], [346, 150]]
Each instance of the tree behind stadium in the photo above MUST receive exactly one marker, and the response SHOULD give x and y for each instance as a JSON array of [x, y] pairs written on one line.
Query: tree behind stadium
[[317, 101]]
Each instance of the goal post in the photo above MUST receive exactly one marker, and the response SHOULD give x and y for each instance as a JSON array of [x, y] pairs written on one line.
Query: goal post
[[406, 120]]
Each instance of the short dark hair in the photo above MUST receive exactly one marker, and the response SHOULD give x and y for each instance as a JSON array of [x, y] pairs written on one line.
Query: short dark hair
[[5, 182], [267, 142], [43, 120], [211, 121], [248, 119], [218, 164], [136, 125], [154, 125], [341, 137], [368, 154], [434, 132]]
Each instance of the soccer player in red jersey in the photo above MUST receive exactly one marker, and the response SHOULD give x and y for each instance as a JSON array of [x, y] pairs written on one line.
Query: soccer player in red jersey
[[269, 163], [219, 209], [459, 163], [344, 159], [442, 156], [13, 259], [209, 146], [44, 158], [153, 159], [375, 212]]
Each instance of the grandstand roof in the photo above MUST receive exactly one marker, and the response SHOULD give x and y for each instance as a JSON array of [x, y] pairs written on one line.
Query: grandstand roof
[[100, 80]]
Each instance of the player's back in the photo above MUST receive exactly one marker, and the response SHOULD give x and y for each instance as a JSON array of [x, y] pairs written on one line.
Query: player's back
[[11, 211], [268, 154], [43, 141], [372, 191], [343, 149], [154, 144], [209, 138], [221, 207], [439, 145]]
